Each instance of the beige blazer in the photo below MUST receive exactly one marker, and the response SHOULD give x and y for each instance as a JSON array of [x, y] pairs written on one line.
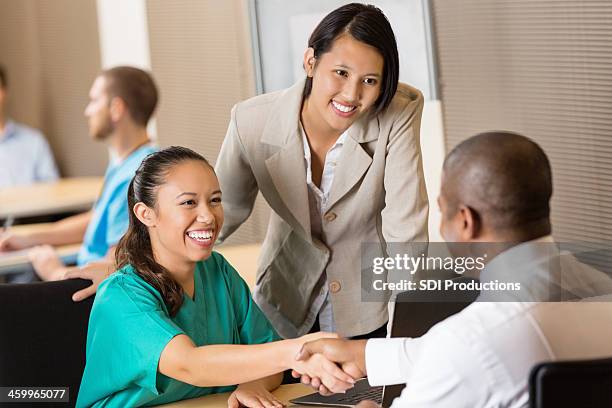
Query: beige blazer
[[378, 196]]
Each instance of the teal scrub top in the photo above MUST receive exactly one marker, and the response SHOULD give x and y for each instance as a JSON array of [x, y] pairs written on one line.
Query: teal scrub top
[[110, 217], [130, 325]]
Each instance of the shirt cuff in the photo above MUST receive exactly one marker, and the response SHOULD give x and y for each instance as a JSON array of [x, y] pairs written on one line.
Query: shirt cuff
[[389, 361]]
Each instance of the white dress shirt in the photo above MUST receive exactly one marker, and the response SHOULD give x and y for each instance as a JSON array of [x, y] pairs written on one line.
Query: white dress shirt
[[482, 356], [317, 202]]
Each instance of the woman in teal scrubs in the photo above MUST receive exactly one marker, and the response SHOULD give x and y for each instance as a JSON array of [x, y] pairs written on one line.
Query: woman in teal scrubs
[[176, 321]]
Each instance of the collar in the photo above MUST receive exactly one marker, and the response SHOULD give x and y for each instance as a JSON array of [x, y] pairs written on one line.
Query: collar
[[521, 256], [339, 142]]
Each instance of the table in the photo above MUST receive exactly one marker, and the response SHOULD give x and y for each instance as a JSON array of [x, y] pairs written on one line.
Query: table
[[284, 393], [18, 262], [242, 257], [64, 195]]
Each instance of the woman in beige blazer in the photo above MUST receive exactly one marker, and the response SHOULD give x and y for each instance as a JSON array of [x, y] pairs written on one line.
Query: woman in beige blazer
[[337, 158]]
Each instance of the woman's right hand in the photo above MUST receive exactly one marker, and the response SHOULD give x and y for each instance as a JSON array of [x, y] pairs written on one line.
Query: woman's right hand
[[318, 366]]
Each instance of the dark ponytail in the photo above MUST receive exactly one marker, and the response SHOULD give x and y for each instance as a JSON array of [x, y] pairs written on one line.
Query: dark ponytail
[[134, 248]]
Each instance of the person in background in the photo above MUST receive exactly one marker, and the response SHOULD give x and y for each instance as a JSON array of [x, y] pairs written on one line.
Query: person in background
[[121, 103], [337, 157], [496, 188], [176, 321], [25, 155]]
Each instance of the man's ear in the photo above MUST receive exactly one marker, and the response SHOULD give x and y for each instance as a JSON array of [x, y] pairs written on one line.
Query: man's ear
[[309, 61], [145, 214], [117, 108], [471, 226]]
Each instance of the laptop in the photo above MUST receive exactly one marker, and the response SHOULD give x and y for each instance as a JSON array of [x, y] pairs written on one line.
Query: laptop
[[415, 313]]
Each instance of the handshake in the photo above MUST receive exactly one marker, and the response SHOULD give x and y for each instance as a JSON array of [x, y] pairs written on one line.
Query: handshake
[[329, 364]]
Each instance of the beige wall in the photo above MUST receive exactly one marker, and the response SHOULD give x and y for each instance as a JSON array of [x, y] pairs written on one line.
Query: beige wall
[[51, 51], [201, 58]]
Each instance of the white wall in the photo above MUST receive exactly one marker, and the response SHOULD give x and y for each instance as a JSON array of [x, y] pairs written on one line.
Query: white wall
[[124, 37], [432, 148]]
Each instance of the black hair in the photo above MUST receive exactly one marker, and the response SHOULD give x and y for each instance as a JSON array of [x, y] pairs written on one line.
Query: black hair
[[134, 248], [365, 23], [504, 176]]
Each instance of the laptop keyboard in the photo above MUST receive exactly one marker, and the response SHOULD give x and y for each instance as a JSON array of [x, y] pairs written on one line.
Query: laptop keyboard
[[374, 394]]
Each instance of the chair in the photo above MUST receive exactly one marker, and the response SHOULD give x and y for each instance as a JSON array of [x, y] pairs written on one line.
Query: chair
[[43, 335], [565, 384]]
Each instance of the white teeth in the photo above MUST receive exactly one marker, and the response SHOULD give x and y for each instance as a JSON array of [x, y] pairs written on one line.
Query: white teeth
[[342, 108], [200, 235]]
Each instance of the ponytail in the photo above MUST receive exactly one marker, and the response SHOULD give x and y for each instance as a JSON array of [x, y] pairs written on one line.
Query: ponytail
[[134, 248]]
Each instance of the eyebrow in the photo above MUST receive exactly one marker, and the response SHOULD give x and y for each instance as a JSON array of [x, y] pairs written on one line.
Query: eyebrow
[[186, 193], [194, 194], [350, 68]]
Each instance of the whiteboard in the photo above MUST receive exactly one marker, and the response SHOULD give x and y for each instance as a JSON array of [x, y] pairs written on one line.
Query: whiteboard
[[280, 31]]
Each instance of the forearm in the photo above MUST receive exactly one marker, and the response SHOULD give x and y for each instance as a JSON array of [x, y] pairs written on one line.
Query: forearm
[[219, 365], [68, 231]]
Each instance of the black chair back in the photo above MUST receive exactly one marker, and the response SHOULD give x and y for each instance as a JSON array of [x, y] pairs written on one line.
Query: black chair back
[[43, 335], [565, 384]]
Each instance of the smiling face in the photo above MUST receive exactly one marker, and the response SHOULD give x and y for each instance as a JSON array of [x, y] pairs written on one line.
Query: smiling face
[[187, 217], [346, 82]]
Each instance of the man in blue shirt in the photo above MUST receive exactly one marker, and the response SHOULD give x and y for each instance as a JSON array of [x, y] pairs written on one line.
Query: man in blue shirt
[[121, 102], [24, 152]]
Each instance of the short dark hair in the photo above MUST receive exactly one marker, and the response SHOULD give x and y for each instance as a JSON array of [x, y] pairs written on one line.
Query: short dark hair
[[134, 248], [137, 89], [365, 23], [504, 176], [3, 79]]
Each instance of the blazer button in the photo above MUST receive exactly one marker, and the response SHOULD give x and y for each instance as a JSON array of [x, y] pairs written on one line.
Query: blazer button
[[329, 217], [334, 287]]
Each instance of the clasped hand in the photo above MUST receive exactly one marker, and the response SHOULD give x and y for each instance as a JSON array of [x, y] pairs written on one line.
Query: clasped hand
[[330, 365]]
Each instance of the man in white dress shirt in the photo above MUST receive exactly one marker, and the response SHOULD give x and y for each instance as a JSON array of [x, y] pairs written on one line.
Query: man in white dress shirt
[[496, 188]]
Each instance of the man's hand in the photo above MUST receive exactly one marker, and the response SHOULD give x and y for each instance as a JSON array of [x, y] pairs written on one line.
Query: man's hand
[[350, 354], [96, 272], [14, 242], [318, 366], [47, 265]]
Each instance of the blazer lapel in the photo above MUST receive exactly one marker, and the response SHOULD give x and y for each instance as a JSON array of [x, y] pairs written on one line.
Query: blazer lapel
[[286, 169], [354, 160], [286, 166]]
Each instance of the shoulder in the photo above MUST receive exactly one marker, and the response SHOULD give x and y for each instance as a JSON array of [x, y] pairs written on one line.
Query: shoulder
[[255, 111], [125, 291], [406, 102], [126, 170], [217, 263], [250, 116], [132, 162], [28, 133], [257, 104]]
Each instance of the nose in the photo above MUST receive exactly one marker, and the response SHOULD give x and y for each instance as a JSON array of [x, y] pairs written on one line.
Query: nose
[[205, 216], [351, 91]]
